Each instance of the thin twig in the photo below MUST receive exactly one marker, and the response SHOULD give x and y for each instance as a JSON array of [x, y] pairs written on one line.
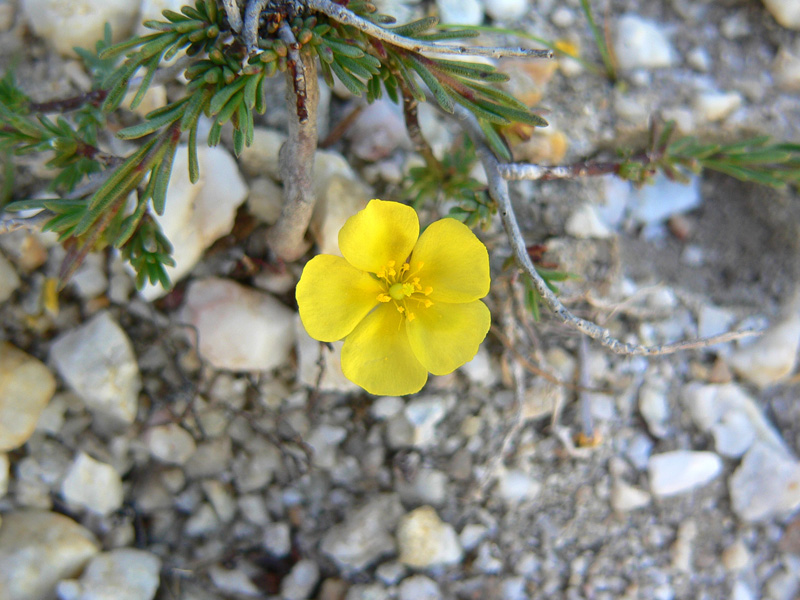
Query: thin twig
[[498, 189], [252, 13], [411, 114], [296, 157], [520, 171], [344, 16]]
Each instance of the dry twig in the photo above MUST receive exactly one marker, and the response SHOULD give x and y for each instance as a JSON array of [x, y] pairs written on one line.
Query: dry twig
[[296, 157], [498, 189], [344, 16]]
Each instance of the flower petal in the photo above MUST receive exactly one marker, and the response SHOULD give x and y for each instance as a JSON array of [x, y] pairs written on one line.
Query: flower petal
[[378, 357], [456, 263], [333, 296], [382, 232], [445, 336]]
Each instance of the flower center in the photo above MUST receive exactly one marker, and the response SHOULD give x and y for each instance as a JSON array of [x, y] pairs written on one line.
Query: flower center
[[402, 286]]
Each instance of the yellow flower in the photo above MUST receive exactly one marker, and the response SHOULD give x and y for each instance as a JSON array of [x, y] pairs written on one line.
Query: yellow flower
[[405, 303]]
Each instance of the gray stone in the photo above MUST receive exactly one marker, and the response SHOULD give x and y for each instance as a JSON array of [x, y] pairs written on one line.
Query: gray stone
[[460, 12], [300, 581], [419, 587], [773, 356], [365, 536], [122, 574], [766, 484], [26, 386], [39, 548], [170, 443], [97, 362]]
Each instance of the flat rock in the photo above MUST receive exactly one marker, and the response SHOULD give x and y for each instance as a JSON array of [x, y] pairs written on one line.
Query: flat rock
[[625, 497], [716, 106], [97, 362], [342, 197], [64, 25], [641, 43], [238, 328], [585, 223], [92, 485], [680, 471], [26, 386], [121, 574], [196, 215], [425, 541], [507, 10], [766, 484], [37, 549], [260, 159], [365, 536]]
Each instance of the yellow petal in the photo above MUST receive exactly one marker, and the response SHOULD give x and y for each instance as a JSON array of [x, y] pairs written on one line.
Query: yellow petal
[[455, 262], [382, 232], [445, 336], [333, 296], [378, 357]]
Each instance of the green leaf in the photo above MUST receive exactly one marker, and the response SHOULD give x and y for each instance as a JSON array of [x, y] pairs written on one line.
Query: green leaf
[[439, 92], [162, 176], [221, 98], [355, 86], [410, 30], [146, 81], [152, 124], [194, 164]]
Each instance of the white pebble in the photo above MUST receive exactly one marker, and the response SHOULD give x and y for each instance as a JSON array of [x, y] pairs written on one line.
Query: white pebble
[[766, 484], [773, 356], [515, 486], [733, 434], [786, 70], [300, 581], [170, 443], [506, 10], [585, 223], [233, 581], [625, 498], [736, 556], [97, 362], [93, 485], [9, 280], [38, 549], [562, 17], [122, 574], [196, 215], [654, 406], [425, 541], [65, 25], [26, 387], [460, 12], [680, 471], [239, 328], [642, 44], [419, 587], [786, 12], [715, 106]]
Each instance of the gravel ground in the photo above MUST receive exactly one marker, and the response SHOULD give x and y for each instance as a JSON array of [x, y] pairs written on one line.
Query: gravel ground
[[198, 445]]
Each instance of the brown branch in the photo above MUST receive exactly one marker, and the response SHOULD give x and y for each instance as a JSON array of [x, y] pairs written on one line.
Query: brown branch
[[296, 158], [95, 98], [411, 114]]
